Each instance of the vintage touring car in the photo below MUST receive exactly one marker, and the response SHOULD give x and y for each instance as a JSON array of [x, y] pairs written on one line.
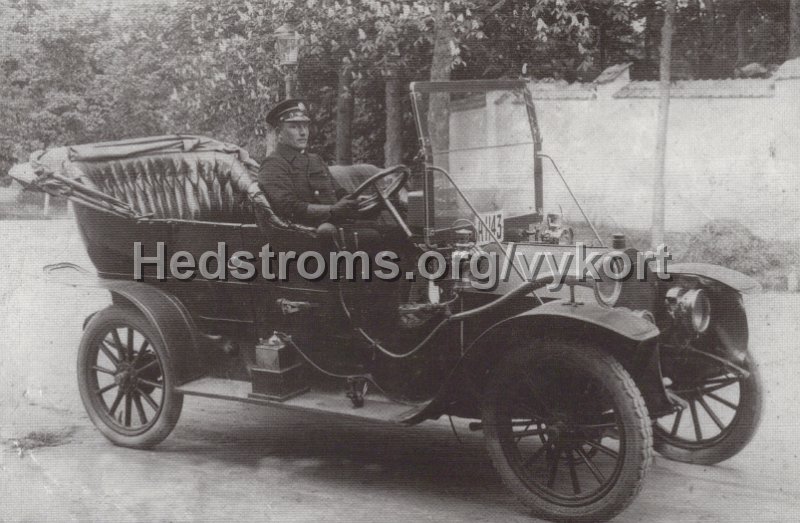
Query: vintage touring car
[[572, 389]]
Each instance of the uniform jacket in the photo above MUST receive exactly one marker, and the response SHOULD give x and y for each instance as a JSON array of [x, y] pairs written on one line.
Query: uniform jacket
[[292, 179]]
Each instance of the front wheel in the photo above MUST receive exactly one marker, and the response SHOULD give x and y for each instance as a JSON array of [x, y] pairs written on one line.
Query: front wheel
[[567, 430], [723, 414], [126, 378]]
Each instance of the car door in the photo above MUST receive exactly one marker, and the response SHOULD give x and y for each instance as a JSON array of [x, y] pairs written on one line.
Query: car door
[[213, 293]]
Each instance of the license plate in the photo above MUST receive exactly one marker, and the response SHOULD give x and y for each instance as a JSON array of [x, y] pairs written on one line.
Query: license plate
[[493, 225]]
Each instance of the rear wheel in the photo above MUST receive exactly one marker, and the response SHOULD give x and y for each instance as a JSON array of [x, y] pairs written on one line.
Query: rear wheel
[[723, 414], [567, 430], [126, 379]]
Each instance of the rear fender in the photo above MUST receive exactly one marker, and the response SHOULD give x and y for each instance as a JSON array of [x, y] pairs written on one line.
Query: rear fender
[[164, 311], [170, 318]]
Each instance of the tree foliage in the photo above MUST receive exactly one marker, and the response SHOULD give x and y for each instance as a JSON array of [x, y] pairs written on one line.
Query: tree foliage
[[70, 74]]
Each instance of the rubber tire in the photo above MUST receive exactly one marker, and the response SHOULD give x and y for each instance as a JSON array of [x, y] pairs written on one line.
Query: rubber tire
[[745, 425], [633, 411], [97, 326]]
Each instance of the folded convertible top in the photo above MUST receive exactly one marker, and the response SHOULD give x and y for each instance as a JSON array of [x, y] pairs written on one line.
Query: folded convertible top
[[68, 171], [121, 149]]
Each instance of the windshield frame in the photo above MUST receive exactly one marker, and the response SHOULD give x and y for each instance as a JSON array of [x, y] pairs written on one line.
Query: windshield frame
[[419, 89]]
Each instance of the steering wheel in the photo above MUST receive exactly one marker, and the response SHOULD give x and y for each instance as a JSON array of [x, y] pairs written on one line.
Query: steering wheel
[[380, 196], [373, 200]]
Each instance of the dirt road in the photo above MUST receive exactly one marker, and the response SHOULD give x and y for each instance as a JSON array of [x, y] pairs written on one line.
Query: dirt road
[[236, 462]]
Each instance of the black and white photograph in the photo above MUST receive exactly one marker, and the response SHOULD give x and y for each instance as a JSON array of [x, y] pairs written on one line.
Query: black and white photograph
[[399, 260]]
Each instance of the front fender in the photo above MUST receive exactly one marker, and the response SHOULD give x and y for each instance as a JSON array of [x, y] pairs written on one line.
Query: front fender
[[729, 318], [618, 321], [460, 394], [728, 277], [559, 318]]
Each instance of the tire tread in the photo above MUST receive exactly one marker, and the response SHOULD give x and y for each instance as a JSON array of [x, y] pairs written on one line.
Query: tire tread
[[643, 426]]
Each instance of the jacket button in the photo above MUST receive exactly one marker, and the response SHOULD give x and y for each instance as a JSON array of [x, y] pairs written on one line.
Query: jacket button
[[316, 193]]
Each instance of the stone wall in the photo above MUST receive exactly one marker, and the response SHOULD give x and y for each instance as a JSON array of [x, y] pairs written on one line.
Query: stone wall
[[732, 149]]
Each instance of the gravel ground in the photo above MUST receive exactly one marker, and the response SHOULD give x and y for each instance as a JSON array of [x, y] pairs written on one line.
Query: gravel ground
[[230, 461]]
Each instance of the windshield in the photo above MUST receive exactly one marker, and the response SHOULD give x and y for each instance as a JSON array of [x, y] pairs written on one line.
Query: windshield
[[481, 141], [484, 140]]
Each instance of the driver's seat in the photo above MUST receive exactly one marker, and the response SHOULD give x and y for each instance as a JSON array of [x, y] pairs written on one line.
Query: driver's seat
[[284, 234]]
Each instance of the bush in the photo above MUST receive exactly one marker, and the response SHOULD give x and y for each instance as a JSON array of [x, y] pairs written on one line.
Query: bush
[[731, 244], [720, 242], [637, 238]]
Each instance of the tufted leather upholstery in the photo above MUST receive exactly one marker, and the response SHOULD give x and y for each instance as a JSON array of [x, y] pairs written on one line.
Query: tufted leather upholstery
[[204, 186], [207, 186]]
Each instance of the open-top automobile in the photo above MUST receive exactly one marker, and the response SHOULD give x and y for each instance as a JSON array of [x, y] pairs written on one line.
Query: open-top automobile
[[572, 388]]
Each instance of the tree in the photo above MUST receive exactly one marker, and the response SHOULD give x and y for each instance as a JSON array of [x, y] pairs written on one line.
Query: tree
[[71, 75], [794, 29], [344, 117], [386, 43], [441, 64], [657, 234], [393, 145], [51, 62], [714, 37], [744, 17]]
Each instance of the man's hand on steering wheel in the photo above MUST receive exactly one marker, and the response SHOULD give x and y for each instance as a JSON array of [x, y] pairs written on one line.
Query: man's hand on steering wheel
[[378, 197], [345, 208]]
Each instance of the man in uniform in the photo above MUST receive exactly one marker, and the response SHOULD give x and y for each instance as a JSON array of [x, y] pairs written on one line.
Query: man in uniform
[[297, 184], [300, 188]]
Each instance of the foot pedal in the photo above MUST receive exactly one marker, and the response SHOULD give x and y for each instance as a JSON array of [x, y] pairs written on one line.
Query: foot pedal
[[279, 373], [356, 389]]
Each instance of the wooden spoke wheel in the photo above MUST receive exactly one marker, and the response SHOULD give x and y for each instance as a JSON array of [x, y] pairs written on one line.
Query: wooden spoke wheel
[[126, 379], [723, 414], [567, 430]]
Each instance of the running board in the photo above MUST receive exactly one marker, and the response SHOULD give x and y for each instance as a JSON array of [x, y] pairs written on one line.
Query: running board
[[376, 406]]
